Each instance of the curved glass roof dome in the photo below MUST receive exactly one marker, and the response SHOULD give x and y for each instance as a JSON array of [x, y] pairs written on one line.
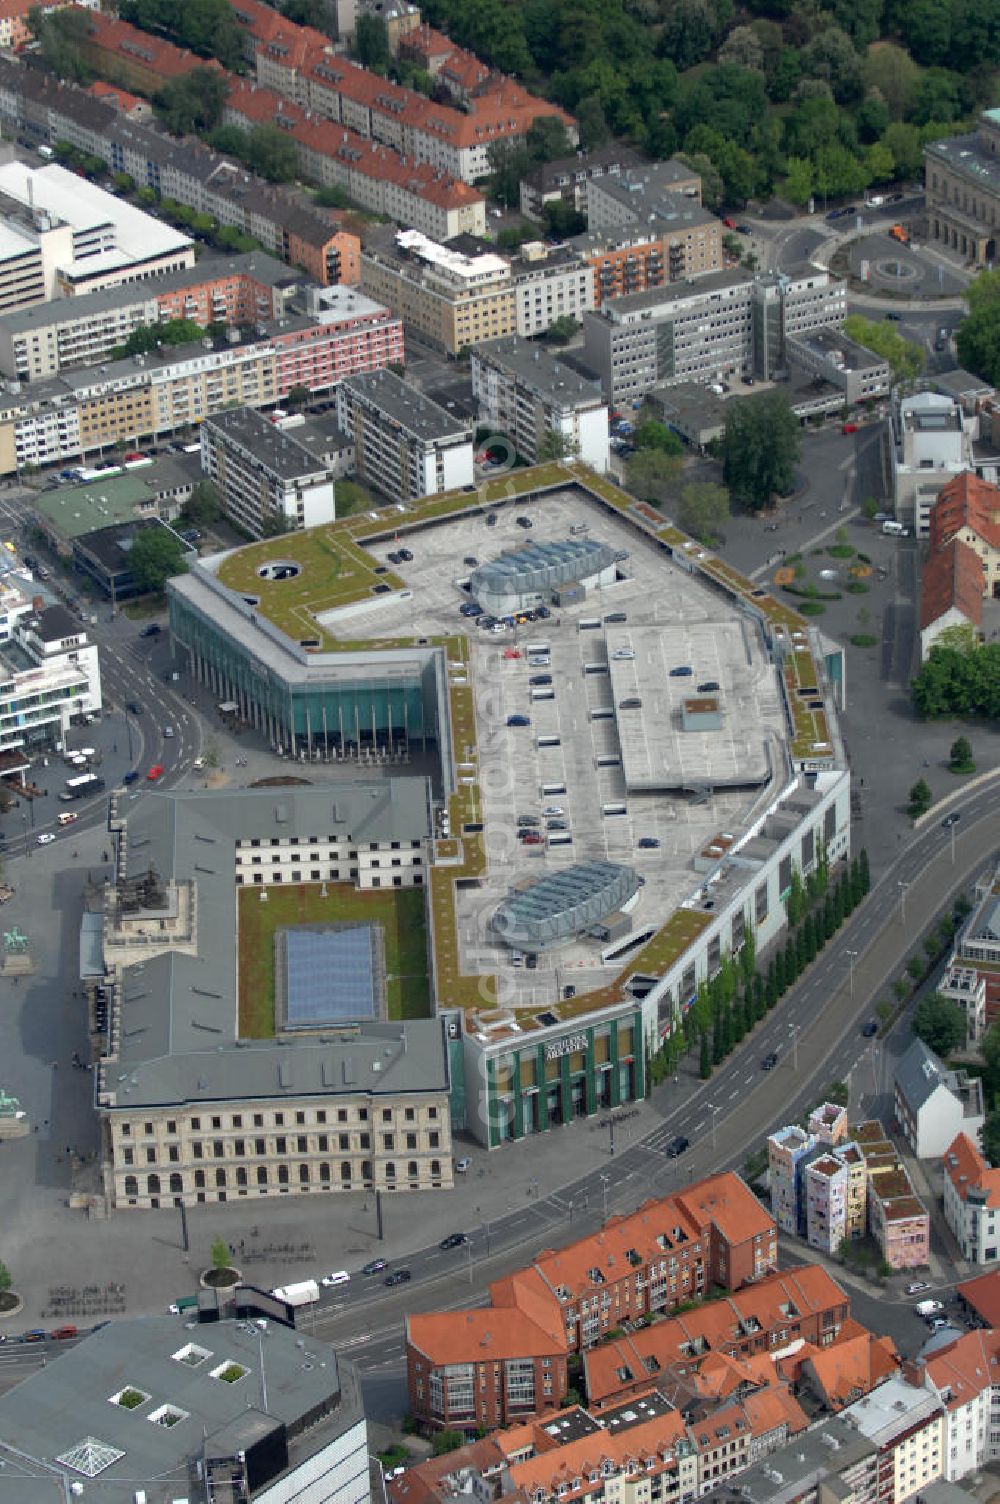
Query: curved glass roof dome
[[563, 904], [541, 566]]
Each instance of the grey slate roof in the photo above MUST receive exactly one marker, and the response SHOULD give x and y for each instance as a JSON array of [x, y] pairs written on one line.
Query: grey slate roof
[[919, 1074], [53, 1413], [179, 1011]]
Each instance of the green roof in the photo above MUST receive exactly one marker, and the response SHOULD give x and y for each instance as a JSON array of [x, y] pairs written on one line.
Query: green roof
[[73, 511]]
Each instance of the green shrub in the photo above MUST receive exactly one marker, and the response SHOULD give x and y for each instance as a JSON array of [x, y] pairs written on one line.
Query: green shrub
[[864, 640], [856, 587], [840, 551], [812, 608]]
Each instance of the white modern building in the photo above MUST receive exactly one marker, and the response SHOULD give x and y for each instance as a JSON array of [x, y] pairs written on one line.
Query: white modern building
[[62, 235], [406, 446], [972, 1201], [906, 1423], [49, 674], [931, 445], [544, 406], [964, 1375], [224, 1402], [268, 479], [550, 284], [933, 1104]]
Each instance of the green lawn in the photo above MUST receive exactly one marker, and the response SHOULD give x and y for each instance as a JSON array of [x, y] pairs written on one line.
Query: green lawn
[[400, 912]]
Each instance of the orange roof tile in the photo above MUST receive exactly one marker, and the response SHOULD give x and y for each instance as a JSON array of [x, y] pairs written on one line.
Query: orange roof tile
[[967, 1169], [132, 46], [983, 1295], [952, 577], [767, 1409], [851, 1368], [650, 1439], [969, 502], [729, 1204], [461, 1336], [966, 1367]]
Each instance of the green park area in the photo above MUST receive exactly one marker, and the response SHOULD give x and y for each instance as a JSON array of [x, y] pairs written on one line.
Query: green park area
[[399, 912]]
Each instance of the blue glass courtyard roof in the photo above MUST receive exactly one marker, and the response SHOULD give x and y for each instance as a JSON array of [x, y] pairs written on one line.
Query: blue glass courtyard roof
[[541, 566], [563, 904], [329, 976]]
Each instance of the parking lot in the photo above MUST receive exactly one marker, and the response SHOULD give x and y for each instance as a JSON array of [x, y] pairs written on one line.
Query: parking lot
[[597, 780]]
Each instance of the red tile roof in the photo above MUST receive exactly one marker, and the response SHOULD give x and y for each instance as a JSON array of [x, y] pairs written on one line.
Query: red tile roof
[[120, 98], [851, 1367], [953, 578], [968, 1171], [131, 47], [559, 1469], [969, 502], [725, 1201], [983, 1295], [966, 1367]]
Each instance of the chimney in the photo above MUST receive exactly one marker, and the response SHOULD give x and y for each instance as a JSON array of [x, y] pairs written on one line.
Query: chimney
[[912, 1372]]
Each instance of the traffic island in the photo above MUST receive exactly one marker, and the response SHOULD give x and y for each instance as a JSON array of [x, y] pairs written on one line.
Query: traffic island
[[11, 1304]]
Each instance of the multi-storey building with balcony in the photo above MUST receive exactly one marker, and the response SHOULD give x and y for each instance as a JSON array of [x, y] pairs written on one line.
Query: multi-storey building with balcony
[[49, 675], [267, 479], [972, 1200], [453, 299], [550, 284], [545, 407], [405, 445]]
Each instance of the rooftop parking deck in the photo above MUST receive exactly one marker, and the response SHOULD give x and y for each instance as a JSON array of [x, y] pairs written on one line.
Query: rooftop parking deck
[[616, 806]]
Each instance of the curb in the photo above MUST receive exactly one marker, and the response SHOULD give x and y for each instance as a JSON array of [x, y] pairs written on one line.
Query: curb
[[942, 804]]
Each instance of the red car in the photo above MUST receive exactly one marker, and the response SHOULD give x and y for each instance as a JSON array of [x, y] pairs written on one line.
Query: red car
[[61, 1333], [531, 838], [849, 428], [134, 454], [730, 224], [154, 773]]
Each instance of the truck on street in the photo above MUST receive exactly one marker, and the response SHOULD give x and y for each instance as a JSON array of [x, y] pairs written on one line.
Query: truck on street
[[304, 1293]]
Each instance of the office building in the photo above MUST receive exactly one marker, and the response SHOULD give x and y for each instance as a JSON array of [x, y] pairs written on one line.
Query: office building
[[227, 1401], [452, 299], [962, 187], [697, 330], [50, 676], [934, 1104], [658, 194], [790, 304], [63, 236], [268, 481], [667, 1252], [405, 445], [828, 355], [324, 1092], [67, 510], [545, 407]]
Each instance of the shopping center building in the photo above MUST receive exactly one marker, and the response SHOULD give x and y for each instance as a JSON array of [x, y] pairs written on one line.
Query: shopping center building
[[337, 651]]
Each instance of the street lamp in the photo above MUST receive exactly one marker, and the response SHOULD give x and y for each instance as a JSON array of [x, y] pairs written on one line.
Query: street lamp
[[852, 956], [715, 1114], [795, 1046], [24, 822], [605, 1182]]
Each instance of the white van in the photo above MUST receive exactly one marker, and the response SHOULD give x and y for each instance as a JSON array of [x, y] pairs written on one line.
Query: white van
[[895, 529]]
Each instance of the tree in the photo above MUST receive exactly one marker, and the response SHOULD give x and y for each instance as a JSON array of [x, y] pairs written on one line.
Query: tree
[[147, 337], [704, 1059], [156, 556], [905, 357], [940, 1023], [351, 498], [220, 1253], [371, 42], [5, 1280], [204, 505], [271, 152], [192, 102], [978, 336], [297, 397], [703, 510], [331, 197], [591, 123], [445, 1441], [798, 184], [547, 139], [556, 445], [760, 449], [892, 71], [61, 36], [991, 1138], [991, 1059], [651, 475], [509, 162], [562, 220], [562, 329], [960, 759], [655, 435]]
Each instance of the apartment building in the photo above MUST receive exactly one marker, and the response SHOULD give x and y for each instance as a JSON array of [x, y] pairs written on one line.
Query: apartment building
[[972, 978], [905, 1423], [693, 331], [550, 284], [965, 1376], [754, 1324], [952, 587], [634, 259], [897, 1218], [158, 1400], [267, 479], [932, 445], [174, 387], [565, 179], [933, 1104], [544, 406], [826, 1181], [135, 58], [49, 675], [324, 1103], [962, 184], [967, 510], [453, 299], [828, 355], [971, 1200], [405, 445], [39, 342], [667, 1252]]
